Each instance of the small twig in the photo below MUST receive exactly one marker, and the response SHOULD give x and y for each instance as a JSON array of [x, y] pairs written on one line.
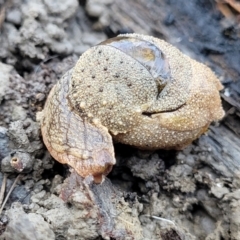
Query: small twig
[[10, 191], [5, 6], [2, 16], [161, 219], [3, 187]]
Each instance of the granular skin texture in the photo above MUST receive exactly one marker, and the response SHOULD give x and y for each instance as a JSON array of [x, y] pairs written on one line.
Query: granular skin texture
[[112, 93], [72, 140]]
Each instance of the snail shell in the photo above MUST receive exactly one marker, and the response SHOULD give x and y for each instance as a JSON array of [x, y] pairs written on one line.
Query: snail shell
[[134, 89]]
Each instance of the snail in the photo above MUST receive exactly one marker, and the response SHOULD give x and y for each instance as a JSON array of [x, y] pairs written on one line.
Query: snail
[[133, 89]]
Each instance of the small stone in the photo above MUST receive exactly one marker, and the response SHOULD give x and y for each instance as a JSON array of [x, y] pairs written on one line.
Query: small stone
[[219, 191]]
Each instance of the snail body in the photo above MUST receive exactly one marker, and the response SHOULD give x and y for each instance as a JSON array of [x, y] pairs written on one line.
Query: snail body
[[134, 89]]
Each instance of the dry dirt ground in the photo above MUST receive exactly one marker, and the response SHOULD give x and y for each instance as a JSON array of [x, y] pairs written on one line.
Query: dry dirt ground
[[188, 194]]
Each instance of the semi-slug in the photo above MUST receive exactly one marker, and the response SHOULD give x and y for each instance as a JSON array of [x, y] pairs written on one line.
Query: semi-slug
[[133, 89]]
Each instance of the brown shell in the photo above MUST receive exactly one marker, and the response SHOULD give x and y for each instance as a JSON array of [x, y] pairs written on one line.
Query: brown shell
[[137, 89], [72, 140]]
